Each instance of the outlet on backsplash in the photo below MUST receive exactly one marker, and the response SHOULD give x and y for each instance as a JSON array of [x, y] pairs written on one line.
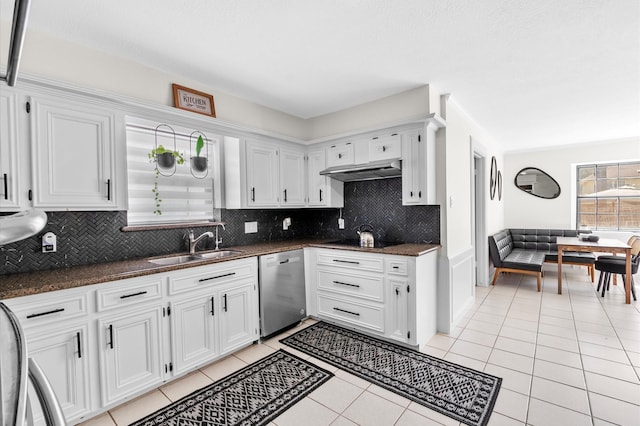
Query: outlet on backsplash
[[250, 227]]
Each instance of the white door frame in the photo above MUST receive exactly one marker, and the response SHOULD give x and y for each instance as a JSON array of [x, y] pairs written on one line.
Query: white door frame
[[478, 211]]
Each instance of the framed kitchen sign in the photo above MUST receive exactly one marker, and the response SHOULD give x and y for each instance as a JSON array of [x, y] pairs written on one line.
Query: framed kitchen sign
[[193, 100]]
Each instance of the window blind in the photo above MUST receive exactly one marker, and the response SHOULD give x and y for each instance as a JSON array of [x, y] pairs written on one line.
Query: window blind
[[185, 197]]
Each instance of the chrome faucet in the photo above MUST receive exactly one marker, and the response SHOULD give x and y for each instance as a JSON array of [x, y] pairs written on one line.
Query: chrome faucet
[[193, 241], [218, 241]]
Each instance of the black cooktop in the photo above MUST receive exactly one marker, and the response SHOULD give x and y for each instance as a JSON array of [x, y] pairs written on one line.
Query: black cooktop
[[356, 243]]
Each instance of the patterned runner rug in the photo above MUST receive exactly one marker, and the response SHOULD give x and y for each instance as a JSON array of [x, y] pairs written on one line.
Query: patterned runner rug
[[461, 393], [255, 395]]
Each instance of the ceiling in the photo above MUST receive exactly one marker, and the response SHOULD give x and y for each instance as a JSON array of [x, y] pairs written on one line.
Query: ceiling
[[531, 73]]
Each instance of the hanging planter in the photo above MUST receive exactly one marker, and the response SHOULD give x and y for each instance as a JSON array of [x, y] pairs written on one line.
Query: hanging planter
[[166, 161], [199, 162]]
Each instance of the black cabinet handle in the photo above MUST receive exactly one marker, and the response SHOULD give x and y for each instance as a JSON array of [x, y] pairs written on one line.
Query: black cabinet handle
[[253, 194], [124, 296], [353, 262], [350, 285], [384, 148], [55, 311], [213, 308], [6, 187], [397, 292], [321, 195], [285, 195], [110, 336], [284, 261], [30, 195], [79, 345], [225, 302], [411, 193], [109, 189], [339, 155], [396, 267], [347, 312], [216, 277], [419, 194]]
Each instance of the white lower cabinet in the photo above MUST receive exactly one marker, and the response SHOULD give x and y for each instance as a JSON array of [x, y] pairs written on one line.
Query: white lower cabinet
[[398, 313], [213, 323], [193, 327], [238, 316], [131, 352], [103, 344], [64, 357], [388, 296]]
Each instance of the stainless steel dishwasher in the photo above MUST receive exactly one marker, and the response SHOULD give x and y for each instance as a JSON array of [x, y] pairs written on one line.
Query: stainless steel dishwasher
[[282, 293]]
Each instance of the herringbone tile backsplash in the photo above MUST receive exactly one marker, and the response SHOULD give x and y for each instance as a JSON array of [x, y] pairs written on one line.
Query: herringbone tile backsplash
[[95, 237]]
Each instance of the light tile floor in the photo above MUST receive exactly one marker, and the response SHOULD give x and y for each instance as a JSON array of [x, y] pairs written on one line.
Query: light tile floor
[[569, 359]]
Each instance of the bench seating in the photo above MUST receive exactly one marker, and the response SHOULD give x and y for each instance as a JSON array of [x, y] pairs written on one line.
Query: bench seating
[[524, 251]]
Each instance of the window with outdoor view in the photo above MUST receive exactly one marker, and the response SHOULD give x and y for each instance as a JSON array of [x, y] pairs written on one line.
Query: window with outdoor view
[[608, 196]]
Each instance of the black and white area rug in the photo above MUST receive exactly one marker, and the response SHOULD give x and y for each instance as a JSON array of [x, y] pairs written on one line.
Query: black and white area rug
[[461, 393], [255, 395]]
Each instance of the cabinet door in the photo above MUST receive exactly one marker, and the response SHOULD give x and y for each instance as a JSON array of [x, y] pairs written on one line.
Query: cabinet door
[[385, 147], [73, 150], [238, 325], [398, 310], [340, 154], [193, 331], [131, 353], [9, 142], [414, 150], [64, 358], [292, 178], [317, 182], [262, 175]]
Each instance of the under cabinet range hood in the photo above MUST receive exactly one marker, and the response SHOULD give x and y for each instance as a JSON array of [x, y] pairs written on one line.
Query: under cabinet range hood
[[367, 171]]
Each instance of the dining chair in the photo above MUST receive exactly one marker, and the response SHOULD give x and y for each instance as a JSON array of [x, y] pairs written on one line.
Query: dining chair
[[608, 265]]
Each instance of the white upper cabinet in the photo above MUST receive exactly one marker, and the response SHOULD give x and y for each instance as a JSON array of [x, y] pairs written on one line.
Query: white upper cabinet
[[292, 177], [385, 147], [413, 190], [262, 174], [323, 191], [340, 154], [73, 148], [419, 163], [10, 179]]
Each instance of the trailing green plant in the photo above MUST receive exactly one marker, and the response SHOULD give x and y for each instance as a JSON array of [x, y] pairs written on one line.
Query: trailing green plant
[[199, 145], [153, 158]]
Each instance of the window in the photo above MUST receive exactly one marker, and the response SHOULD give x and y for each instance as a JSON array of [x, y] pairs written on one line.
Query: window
[[186, 196], [609, 196]]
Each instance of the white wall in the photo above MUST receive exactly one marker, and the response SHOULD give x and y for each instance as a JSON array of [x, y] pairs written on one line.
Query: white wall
[[63, 61], [409, 104], [456, 199], [523, 210], [455, 189]]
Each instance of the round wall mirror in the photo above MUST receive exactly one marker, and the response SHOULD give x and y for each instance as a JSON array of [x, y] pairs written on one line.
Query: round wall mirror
[[536, 182]]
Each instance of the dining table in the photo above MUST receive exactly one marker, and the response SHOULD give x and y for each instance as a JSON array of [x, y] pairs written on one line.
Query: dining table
[[603, 245]]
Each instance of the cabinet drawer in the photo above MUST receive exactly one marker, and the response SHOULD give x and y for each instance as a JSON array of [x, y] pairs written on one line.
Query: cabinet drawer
[[340, 154], [385, 148], [365, 316], [129, 292], [366, 287], [207, 276], [51, 310], [341, 260], [397, 267]]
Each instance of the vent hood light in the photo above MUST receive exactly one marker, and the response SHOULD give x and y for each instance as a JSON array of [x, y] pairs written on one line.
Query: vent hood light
[[367, 171]]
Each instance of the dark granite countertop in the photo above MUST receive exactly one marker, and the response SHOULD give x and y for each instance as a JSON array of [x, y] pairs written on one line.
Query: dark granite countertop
[[24, 284]]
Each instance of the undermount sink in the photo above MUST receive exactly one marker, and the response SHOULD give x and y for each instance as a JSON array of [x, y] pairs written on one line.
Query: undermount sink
[[187, 258]]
